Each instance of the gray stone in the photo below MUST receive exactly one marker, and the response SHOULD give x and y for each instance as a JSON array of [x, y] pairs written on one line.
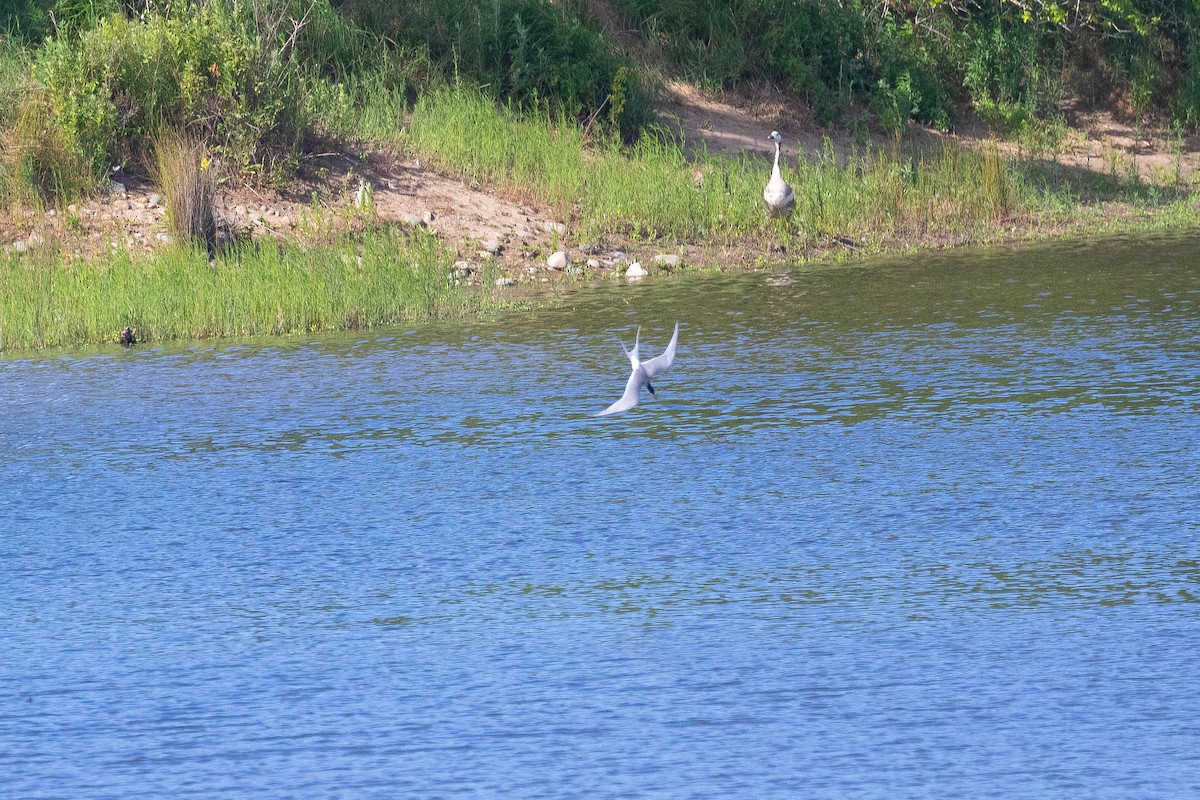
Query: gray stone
[[558, 260], [493, 247], [165, 238], [35, 239], [667, 260], [154, 200], [593, 263], [415, 220], [116, 187], [617, 256], [19, 246], [554, 227], [506, 282]]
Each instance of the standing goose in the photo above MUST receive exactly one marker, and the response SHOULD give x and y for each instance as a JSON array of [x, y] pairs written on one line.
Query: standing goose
[[778, 194]]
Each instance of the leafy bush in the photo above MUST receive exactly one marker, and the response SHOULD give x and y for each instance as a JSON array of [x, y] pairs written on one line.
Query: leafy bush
[[922, 60], [37, 161], [228, 76], [537, 54]]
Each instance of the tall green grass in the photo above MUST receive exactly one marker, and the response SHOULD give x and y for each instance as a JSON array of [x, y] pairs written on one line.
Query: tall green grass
[[657, 189], [382, 278], [184, 170]]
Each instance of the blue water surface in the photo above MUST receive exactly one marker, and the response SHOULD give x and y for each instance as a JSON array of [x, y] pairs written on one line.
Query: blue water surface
[[919, 527]]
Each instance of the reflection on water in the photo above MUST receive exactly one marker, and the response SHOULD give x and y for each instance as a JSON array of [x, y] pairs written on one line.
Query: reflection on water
[[913, 527]]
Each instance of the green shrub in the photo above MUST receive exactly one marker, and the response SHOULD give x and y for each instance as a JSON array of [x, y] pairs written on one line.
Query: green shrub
[[215, 71], [921, 60], [38, 161], [536, 54]]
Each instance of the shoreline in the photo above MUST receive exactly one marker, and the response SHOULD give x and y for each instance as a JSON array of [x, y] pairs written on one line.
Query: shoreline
[[485, 232], [492, 284]]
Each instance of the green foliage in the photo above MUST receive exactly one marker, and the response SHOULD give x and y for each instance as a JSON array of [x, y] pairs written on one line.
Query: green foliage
[[536, 54], [226, 76], [384, 277], [38, 163], [923, 59], [27, 20], [252, 78], [656, 189]]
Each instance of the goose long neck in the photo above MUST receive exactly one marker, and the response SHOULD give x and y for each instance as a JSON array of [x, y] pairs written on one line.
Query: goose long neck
[[775, 170]]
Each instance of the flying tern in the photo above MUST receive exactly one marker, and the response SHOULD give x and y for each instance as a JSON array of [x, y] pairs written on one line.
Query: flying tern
[[643, 371]]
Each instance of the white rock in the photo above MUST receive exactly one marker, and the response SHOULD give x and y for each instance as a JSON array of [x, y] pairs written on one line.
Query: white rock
[[414, 220], [35, 239], [554, 227], [165, 238], [506, 282], [153, 200], [635, 271], [558, 260], [593, 263], [19, 246]]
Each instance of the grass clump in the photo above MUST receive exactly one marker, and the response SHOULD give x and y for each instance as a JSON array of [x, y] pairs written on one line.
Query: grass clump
[[384, 277], [184, 171]]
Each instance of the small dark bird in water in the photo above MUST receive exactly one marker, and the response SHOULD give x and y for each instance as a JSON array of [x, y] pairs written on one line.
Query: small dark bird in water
[[128, 337]]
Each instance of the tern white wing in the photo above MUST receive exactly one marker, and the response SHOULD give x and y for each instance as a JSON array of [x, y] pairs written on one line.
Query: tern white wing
[[637, 379], [659, 364]]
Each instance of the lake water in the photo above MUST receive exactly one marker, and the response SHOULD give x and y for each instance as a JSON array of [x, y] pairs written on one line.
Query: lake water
[[914, 527]]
